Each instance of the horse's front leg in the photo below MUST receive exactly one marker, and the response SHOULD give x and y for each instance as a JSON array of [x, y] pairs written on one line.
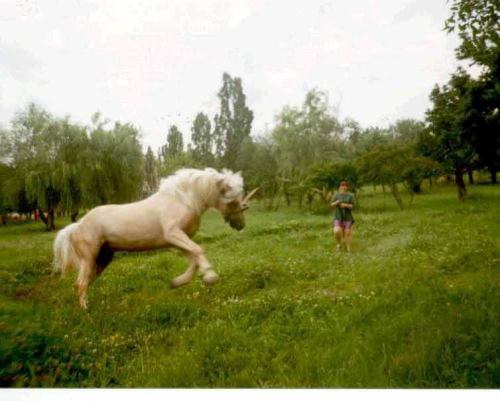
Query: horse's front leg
[[185, 277], [179, 239]]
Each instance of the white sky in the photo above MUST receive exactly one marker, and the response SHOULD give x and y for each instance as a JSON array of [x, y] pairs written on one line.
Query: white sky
[[157, 63]]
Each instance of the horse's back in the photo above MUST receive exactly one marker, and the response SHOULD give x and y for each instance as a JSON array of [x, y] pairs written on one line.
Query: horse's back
[[132, 226]]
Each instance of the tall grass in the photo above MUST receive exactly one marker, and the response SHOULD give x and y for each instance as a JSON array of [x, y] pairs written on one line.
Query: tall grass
[[415, 305]]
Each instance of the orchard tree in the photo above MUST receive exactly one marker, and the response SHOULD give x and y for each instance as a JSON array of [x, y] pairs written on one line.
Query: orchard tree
[[476, 23], [447, 125], [326, 177], [392, 165]]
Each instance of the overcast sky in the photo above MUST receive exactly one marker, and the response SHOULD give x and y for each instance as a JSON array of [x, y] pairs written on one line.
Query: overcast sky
[[157, 63]]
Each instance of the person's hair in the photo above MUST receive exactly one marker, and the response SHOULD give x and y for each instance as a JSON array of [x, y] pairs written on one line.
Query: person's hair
[[344, 183]]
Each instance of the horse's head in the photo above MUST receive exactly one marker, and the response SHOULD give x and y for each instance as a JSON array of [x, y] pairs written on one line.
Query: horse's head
[[233, 211], [232, 203]]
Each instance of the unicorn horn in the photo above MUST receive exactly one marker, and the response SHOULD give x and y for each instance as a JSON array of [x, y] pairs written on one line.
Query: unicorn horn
[[250, 194]]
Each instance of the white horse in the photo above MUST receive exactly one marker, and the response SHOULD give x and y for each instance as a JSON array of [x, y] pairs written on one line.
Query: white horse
[[168, 218]]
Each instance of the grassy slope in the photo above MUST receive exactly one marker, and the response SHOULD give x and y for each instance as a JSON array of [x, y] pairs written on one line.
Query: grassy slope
[[415, 305]]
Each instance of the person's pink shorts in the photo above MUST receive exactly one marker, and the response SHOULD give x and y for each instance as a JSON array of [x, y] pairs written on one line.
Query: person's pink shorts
[[345, 225]]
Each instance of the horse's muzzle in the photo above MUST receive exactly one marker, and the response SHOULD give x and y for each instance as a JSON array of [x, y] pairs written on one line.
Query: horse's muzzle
[[236, 226]]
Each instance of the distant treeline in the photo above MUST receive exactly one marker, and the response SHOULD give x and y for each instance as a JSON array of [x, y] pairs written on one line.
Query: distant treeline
[[52, 164]]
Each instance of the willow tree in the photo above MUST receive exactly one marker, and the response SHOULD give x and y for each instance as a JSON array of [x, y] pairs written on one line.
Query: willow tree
[[114, 173], [35, 145]]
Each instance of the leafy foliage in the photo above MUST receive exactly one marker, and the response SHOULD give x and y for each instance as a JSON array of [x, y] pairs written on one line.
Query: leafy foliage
[[233, 123], [202, 140], [476, 23]]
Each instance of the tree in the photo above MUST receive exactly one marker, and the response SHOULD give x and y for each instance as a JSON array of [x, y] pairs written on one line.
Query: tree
[[476, 23], [71, 160], [151, 176], [447, 124], [303, 138], [35, 145], [8, 190], [391, 165], [369, 138], [407, 130], [202, 141], [481, 121], [233, 123], [115, 172], [326, 177], [258, 166], [175, 144]]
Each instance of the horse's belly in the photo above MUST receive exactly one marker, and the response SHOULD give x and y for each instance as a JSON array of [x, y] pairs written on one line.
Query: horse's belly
[[136, 245], [120, 242]]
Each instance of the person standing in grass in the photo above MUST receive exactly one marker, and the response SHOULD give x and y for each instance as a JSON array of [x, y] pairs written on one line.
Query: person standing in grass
[[342, 203]]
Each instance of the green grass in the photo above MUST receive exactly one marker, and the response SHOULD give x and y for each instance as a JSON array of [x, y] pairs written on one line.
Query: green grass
[[415, 305]]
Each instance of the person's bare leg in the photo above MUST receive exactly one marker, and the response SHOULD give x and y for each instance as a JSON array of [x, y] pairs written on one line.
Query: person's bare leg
[[337, 234], [348, 239]]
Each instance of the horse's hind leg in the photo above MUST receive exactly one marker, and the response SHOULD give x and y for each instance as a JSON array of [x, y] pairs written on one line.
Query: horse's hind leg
[[86, 275], [87, 254]]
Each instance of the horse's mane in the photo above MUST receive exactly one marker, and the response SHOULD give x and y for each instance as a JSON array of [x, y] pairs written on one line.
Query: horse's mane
[[200, 189]]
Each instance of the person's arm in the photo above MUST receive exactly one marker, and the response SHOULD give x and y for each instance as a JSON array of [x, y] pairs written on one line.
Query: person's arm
[[335, 201], [347, 205]]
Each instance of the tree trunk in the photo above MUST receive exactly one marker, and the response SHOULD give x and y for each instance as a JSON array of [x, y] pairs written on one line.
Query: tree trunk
[[74, 215], [459, 181], [430, 182], [493, 174], [470, 175], [287, 198], [310, 198], [43, 218], [397, 196], [3, 219], [49, 220]]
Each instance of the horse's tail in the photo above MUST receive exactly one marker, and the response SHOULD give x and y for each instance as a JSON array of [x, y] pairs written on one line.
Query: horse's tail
[[64, 253]]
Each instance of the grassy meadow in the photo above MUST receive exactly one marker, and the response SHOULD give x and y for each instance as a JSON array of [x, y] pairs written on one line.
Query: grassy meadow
[[415, 305]]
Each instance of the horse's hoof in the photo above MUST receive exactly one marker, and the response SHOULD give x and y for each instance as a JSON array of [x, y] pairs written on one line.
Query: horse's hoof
[[211, 278], [175, 283]]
